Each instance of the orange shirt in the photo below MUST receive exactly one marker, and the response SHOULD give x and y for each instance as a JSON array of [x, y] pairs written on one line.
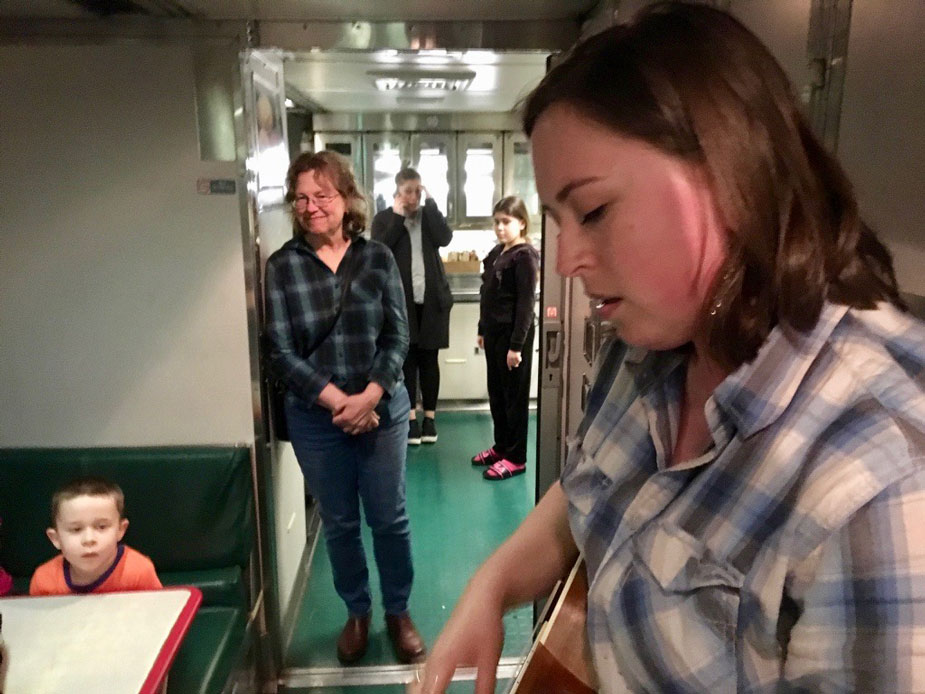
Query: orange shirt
[[132, 570]]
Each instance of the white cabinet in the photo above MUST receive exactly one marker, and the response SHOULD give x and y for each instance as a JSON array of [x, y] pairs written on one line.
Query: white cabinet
[[462, 365]]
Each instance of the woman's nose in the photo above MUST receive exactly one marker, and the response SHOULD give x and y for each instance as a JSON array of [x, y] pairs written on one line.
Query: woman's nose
[[571, 259]]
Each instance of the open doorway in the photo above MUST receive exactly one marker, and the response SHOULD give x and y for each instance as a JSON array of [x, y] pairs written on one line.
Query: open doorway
[[452, 116]]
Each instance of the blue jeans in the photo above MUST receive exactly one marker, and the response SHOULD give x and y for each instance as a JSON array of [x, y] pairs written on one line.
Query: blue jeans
[[341, 470]]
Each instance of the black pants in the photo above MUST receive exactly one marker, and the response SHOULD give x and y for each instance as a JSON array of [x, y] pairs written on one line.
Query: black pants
[[423, 362], [509, 393]]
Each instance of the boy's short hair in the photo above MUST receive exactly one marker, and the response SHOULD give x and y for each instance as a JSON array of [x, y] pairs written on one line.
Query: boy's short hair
[[87, 486]]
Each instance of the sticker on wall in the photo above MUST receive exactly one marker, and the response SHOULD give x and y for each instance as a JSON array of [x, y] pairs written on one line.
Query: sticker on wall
[[216, 186]]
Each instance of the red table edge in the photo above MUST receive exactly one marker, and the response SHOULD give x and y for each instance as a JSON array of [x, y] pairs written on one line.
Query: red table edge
[[172, 644]]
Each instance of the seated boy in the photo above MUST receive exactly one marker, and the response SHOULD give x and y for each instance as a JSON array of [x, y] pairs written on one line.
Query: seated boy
[[88, 523]]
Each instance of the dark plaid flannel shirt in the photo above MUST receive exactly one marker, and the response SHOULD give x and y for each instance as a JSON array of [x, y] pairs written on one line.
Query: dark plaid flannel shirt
[[369, 341]]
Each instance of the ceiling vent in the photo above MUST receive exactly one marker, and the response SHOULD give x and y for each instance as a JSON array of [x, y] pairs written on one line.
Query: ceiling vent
[[405, 79]]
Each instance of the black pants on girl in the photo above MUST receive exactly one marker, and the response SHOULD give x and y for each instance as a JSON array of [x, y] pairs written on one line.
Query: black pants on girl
[[509, 393], [423, 361]]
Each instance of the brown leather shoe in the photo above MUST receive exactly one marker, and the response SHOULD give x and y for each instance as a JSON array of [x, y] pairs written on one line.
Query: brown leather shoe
[[407, 642], [353, 639]]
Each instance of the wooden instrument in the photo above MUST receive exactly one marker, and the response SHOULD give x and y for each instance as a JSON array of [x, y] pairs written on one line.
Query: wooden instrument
[[560, 658]]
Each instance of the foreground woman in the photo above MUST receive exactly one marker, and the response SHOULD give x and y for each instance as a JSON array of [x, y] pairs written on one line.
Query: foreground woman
[[338, 336], [747, 486]]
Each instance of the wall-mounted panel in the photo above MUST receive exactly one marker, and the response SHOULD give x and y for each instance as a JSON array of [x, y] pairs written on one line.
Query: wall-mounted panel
[[122, 297]]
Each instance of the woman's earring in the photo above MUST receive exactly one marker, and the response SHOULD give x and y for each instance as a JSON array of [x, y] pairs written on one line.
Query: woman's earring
[[718, 304]]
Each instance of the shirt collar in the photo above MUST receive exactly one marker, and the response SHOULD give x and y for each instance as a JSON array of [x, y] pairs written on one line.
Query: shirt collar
[[415, 217], [648, 367], [299, 242], [757, 393]]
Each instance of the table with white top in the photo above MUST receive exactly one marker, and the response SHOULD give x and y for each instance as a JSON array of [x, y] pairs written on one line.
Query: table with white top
[[109, 643]]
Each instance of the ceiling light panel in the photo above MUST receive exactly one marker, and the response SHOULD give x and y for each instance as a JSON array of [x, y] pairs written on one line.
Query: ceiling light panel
[[405, 79]]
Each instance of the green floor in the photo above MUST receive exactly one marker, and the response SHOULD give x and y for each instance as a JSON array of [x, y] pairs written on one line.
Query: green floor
[[457, 520]]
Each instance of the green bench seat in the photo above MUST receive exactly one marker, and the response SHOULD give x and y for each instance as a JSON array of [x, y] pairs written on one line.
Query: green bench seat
[[214, 644], [190, 509]]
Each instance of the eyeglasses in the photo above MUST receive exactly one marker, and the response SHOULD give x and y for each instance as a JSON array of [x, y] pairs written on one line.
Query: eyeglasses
[[320, 200]]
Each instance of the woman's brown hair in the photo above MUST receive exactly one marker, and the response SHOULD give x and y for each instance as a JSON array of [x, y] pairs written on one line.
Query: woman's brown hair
[[695, 83], [513, 206], [336, 168]]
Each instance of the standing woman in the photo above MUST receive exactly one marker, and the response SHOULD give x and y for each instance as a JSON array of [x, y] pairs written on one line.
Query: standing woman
[[506, 334], [415, 233], [337, 338]]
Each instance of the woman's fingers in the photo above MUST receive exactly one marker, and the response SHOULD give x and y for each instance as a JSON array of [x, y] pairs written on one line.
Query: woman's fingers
[[437, 676], [485, 679]]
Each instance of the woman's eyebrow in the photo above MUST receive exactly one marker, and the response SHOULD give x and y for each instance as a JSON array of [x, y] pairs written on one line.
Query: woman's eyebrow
[[569, 187]]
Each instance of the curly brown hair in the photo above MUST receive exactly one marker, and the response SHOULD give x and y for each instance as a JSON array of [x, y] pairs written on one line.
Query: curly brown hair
[[693, 82], [337, 169]]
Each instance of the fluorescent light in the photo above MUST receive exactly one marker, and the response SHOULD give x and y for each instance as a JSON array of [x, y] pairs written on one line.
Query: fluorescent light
[[417, 78], [412, 99]]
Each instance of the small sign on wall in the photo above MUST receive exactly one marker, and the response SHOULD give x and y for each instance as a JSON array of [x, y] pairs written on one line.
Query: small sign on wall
[[216, 186]]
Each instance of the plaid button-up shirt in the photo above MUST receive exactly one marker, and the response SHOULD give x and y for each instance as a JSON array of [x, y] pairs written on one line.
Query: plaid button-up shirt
[[791, 555], [369, 341]]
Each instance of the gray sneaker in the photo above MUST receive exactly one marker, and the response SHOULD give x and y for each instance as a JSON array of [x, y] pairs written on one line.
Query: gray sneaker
[[414, 433]]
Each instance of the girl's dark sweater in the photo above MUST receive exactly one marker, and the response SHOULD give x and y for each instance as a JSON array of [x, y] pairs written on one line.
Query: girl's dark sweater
[[508, 292]]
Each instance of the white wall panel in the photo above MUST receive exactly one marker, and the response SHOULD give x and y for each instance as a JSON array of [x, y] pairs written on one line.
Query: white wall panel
[[881, 141], [122, 304]]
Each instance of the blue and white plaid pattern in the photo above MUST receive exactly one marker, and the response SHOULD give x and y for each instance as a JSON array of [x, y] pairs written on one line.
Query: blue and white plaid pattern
[[791, 555], [370, 339]]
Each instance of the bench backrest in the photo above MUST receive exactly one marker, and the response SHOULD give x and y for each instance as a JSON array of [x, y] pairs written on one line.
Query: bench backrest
[[189, 508]]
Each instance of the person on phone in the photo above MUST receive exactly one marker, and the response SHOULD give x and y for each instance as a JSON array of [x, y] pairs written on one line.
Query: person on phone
[[345, 404], [748, 482], [415, 232]]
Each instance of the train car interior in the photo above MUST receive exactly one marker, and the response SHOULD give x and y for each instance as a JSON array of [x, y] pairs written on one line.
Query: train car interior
[[144, 151]]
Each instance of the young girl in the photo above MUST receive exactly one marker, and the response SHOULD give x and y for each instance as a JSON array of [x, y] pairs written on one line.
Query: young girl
[[506, 334]]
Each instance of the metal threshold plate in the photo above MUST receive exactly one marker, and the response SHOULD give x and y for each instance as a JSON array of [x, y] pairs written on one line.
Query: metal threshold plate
[[378, 674]]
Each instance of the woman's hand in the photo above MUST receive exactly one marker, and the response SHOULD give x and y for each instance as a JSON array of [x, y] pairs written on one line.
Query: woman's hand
[[356, 413], [513, 359], [473, 635], [480, 341]]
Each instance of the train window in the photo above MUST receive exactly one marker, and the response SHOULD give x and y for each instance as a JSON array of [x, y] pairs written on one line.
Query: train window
[[386, 163], [433, 167], [480, 184], [344, 148], [523, 183], [433, 155]]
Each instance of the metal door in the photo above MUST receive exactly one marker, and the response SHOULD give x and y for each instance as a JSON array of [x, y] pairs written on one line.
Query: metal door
[[479, 178], [434, 157], [518, 172], [385, 153]]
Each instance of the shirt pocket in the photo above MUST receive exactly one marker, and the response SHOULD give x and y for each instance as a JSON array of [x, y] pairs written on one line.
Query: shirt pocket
[[580, 476], [681, 605]]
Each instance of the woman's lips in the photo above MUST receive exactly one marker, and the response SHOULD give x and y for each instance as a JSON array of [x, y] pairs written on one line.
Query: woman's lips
[[601, 302]]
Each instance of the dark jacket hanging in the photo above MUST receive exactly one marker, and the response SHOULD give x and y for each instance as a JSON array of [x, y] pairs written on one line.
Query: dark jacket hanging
[[389, 228]]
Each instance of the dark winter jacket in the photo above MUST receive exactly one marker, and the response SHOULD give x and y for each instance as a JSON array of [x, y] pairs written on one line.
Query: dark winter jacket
[[389, 228]]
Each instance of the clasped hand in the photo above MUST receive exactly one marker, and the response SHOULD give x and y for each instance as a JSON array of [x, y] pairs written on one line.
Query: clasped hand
[[356, 414]]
